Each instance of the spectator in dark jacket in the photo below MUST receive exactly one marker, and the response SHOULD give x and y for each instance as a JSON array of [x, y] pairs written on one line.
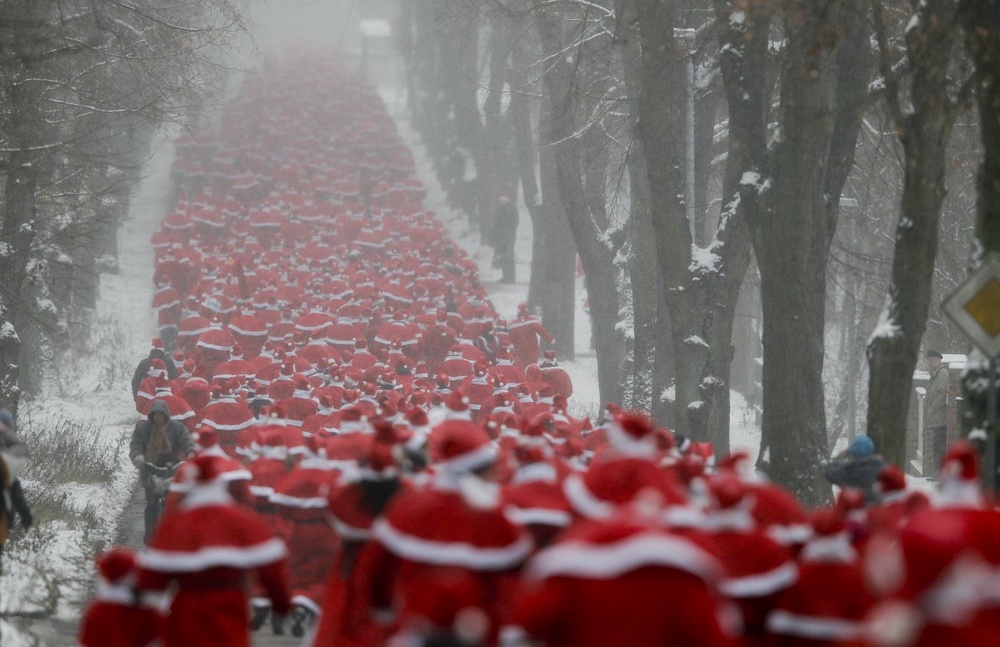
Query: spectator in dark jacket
[[504, 235], [161, 442], [142, 370], [857, 468]]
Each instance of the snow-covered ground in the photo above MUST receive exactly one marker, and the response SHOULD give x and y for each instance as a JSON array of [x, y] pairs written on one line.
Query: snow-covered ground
[[87, 412]]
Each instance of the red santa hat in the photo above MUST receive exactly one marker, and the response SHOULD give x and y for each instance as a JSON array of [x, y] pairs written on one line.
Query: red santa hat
[[352, 420], [157, 368], [208, 437], [459, 446], [382, 460], [891, 479], [960, 477], [961, 463], [457, 407], [730, 505], [157, 343], [633, 433], [117, 564]]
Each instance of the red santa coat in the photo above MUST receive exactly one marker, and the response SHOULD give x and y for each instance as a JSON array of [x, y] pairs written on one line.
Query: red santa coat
[[190, 329], [167, 304], [250, 331], [229, 418], [456, 368], [206, 548], [609, 583], [758, 570], [828, 604], [524, 332], [557, 378], [300, 500], [434, 539], [116, 619], [347, 617], [613, 480], [535, 500]]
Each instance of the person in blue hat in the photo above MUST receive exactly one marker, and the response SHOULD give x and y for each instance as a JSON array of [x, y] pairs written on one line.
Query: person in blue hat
[[857, 467]]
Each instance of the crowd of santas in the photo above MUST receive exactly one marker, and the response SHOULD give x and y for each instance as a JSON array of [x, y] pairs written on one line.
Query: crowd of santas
[[394, 465]]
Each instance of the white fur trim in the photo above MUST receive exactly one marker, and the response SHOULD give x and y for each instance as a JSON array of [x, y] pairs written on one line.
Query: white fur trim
[[203, 344], [761, 584], [441, 553], [813, 627], [471, 461], [535, 472], [608, 561], [834, 548], [584, 501], [737, 518], [310, 503], [115, 593], [960, 494], [347, 531], [307, 603], [685, 516], [261, 554], [276, 453], [793, 533], [541, 516], [248, 333], [218, 426]]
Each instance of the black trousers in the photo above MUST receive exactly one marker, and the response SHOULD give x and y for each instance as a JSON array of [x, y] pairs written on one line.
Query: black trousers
[[939, 445], [505, 254], [154, 508]]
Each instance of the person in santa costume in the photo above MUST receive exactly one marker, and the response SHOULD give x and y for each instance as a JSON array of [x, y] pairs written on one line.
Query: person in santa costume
[[939, 580], [119, 615], [622, 581], [299, 498], [555, 375], [347, 617], [206, 550], [758, 570], [525, 331], [228, 416], [829, 602], [618, 474], [452, 536]]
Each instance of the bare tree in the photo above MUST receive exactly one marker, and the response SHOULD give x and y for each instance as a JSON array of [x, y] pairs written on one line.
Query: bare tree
[[82, 84], [923, 130], [789, 194], [575, 40]]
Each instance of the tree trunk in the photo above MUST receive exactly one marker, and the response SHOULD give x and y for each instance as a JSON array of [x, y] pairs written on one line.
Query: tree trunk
[[981, 20], [924, 132], [701, 284], [17, 216], [589, 228], [556, 249]]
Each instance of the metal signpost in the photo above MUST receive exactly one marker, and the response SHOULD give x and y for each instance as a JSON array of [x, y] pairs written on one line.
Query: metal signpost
[[974, 306]]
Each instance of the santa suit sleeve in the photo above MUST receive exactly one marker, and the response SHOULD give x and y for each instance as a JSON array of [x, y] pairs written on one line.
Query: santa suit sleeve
[[544, 333], [274, 577]]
